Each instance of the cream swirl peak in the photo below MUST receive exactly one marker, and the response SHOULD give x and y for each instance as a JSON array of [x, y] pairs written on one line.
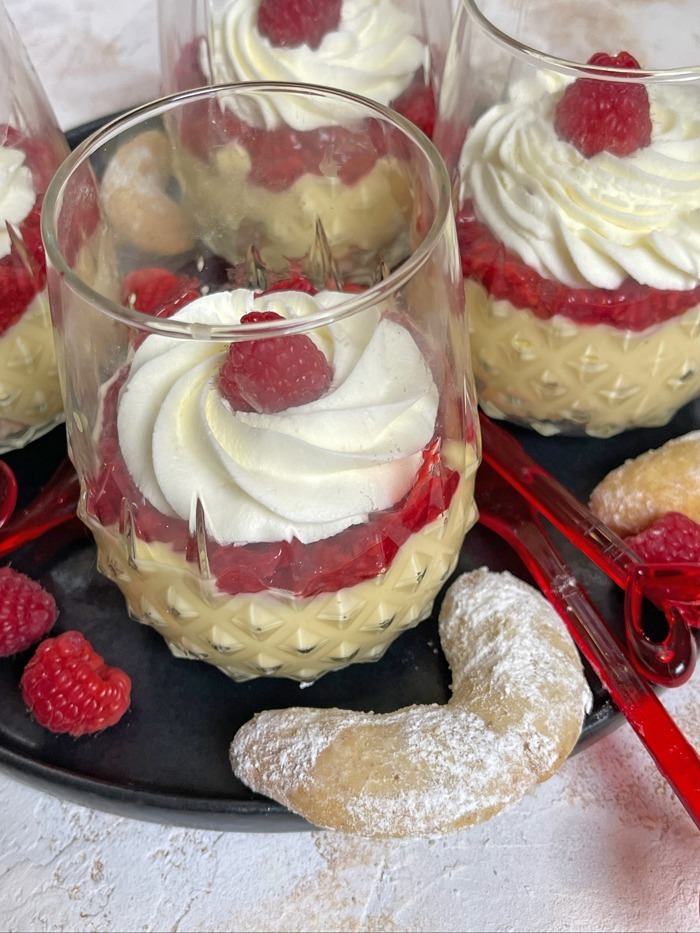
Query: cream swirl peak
[[307, 472], [590, 221], [374, 53], [16, 193]]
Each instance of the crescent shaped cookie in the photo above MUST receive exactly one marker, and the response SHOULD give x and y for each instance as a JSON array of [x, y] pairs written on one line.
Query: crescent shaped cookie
[[641, 490], [518, 700], [135, 197]]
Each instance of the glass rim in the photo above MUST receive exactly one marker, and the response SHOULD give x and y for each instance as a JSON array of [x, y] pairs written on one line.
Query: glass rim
[[577, 69], [355, 302]]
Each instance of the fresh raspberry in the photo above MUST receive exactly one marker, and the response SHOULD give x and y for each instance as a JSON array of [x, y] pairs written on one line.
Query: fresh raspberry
[[27, 611], [290, 23], [596, 115], [672, 538], [157, 291], [273, 373], [68, 687]]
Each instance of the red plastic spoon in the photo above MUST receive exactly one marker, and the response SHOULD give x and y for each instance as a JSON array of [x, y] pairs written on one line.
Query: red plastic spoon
[[506, 512], [8, 492], [55, 504], [675, 589]]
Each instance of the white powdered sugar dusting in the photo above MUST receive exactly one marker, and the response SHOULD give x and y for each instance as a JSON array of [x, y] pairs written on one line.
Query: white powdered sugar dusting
[[518, 702], [641, 490]]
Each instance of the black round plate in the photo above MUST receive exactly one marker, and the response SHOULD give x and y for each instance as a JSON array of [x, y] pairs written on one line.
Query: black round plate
[[167, 760]]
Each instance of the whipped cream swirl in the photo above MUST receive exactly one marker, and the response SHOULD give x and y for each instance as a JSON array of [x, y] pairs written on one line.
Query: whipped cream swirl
[[16, 193], [590, 221], [307, 472], [373, 52]]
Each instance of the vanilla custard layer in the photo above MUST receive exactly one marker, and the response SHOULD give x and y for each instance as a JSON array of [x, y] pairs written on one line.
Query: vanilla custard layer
[[30, 396], [273, 633], [560, 377], [230, 213]]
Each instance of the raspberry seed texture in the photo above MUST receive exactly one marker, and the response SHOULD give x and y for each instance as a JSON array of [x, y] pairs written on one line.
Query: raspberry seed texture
[[68, 687], [27, 611], [673, 537], [291, 23], [598, 115], [273, 373]]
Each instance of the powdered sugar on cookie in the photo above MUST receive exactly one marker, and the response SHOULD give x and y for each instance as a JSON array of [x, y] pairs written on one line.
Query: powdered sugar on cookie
[[518, 702], [642, 490]]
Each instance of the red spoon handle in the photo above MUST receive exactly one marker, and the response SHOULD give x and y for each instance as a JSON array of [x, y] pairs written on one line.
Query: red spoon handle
[[673, 754], [593, 538], [8, 492], [669, 662], [55, 504]]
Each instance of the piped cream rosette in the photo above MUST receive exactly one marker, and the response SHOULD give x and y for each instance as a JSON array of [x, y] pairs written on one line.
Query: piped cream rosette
[[308, 472], [374, 52], [586, 223]]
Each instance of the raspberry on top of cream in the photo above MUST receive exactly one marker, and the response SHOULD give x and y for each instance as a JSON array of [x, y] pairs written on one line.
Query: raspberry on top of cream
[[307, 472], [373, 53], [590, 221], [16, 193]]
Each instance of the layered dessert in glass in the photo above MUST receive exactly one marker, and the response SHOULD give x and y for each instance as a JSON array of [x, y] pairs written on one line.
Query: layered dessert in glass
[[246, 161], [277, 464], [579, 222], [252, 177], [31, 148], [391, 51]]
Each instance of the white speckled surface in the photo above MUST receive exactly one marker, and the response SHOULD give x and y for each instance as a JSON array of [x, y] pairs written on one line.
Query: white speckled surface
[[93, 56], [603, 846]]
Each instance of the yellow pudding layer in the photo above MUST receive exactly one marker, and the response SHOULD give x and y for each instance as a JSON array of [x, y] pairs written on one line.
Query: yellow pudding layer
[[273, 633], [560, 377], [30, 395], [230, 213]]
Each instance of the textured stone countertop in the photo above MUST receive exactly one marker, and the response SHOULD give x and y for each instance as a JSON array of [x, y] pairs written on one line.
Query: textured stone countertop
[[603, 846]]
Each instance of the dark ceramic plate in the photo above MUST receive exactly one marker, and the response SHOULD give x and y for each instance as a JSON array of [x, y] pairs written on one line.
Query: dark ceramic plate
[[167, 760]]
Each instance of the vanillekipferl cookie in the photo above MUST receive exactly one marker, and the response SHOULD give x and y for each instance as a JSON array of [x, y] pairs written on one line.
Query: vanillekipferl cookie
[[518, 701], [641, 490]]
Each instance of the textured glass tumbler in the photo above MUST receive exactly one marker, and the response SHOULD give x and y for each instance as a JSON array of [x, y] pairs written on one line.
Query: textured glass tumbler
[[31, 149], [273, 424], [391, 51], [574, 147]]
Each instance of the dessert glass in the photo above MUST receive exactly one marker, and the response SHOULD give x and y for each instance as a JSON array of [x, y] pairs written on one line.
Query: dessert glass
[[269, 516], [391, 51], [31, 149], [577, 186]]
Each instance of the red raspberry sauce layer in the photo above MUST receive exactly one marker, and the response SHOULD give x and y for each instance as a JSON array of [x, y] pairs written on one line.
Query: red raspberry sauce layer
[[505, 276], [358, 553], [280, 157], [23, 270]]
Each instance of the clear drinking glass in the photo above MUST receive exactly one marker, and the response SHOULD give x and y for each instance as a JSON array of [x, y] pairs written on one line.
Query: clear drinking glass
[[573, 141], [271, 416], [391, 51], [31, 148]]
